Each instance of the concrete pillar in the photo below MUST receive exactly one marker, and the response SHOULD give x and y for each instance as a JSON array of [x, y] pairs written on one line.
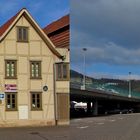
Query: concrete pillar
[[88, 108], [118, 105], [95, 107]]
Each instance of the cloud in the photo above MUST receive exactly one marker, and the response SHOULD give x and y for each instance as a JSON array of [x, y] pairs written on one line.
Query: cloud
[[110, 19], [109, 29], [109, 53]]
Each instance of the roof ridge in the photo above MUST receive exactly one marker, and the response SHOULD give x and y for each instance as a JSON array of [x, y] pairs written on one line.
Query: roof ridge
[[57, 24], [6, 25], [5, 28]]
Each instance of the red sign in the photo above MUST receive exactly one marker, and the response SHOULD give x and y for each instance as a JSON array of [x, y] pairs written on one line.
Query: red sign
[[10, 88]]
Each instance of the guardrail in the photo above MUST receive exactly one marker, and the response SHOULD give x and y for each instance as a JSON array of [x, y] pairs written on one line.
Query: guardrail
[[109, 89]]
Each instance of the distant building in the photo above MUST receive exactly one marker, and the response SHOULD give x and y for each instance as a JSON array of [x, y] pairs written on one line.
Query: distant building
[[59, 33], [30, 64]]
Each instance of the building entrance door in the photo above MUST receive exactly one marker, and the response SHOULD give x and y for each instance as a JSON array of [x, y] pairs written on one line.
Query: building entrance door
[[63, 107]]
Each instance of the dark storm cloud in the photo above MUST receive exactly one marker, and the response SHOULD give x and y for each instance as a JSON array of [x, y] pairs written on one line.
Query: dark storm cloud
[[110, 29]]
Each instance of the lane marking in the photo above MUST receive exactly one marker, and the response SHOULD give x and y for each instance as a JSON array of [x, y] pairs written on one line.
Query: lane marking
[[120, 118], [112, 120], [89, 122], [76, 120], [83, 127]]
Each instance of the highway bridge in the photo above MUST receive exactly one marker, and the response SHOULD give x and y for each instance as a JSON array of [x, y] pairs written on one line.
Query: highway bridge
[[103, 97]]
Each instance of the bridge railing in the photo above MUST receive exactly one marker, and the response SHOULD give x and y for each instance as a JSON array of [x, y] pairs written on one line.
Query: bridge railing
[[109, 89]]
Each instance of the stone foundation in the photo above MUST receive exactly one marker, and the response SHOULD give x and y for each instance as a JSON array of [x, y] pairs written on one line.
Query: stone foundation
[[64, 122], [24, 123]]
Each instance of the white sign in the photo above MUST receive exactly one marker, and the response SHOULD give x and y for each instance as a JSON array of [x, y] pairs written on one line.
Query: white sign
[[23, 112]]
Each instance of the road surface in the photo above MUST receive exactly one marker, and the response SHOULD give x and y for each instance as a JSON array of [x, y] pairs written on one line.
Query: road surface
[[114, 127]]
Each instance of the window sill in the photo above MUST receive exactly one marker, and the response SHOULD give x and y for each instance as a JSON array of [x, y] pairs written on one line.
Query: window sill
[[23, 41], [36, 78], [11, 78], [9, 110], [36, 109]]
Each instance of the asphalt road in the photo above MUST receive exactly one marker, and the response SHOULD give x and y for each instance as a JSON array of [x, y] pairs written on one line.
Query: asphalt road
[[115, 127]]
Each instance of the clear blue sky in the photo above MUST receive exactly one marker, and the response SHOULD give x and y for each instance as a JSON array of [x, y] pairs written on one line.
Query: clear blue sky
[[110, 30], [43, 11]]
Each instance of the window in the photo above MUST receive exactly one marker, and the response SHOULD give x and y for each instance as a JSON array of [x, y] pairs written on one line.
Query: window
[[10, 69], [62, 71], [35, 69], [11, 101], [22, 34], [36, 101]]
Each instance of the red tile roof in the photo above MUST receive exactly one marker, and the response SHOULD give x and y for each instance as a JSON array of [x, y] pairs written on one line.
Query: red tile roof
[[60, 23], [6, 25], [61, 40], [59, 33]]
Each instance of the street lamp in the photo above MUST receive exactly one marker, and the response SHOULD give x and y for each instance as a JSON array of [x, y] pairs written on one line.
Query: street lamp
[[129, 95], [84, 68]]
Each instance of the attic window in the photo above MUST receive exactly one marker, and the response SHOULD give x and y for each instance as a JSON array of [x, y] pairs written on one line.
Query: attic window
[[22, 34]]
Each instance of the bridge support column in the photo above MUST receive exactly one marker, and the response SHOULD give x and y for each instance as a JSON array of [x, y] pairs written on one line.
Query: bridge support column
[[88, 108], [95, 107]]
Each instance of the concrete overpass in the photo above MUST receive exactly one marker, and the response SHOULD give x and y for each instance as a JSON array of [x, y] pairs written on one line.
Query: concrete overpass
[[102, 99]]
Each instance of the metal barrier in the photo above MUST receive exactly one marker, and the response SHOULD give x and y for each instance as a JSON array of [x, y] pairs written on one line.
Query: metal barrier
[[105, 88]]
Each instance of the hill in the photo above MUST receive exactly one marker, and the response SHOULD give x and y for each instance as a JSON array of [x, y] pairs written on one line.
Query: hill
[[122, 84]]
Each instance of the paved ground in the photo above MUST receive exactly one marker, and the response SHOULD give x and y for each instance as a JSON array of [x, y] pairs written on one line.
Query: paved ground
[[116, 127]]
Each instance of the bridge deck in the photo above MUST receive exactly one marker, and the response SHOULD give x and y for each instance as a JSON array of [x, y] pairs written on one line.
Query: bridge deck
[[108, 93]]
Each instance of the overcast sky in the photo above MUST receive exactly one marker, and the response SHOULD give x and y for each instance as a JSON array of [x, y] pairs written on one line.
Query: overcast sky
[[110, 30], [43, 11]]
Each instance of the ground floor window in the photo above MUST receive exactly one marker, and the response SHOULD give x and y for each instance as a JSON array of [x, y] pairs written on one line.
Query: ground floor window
[[11, 101], [36, 100]]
